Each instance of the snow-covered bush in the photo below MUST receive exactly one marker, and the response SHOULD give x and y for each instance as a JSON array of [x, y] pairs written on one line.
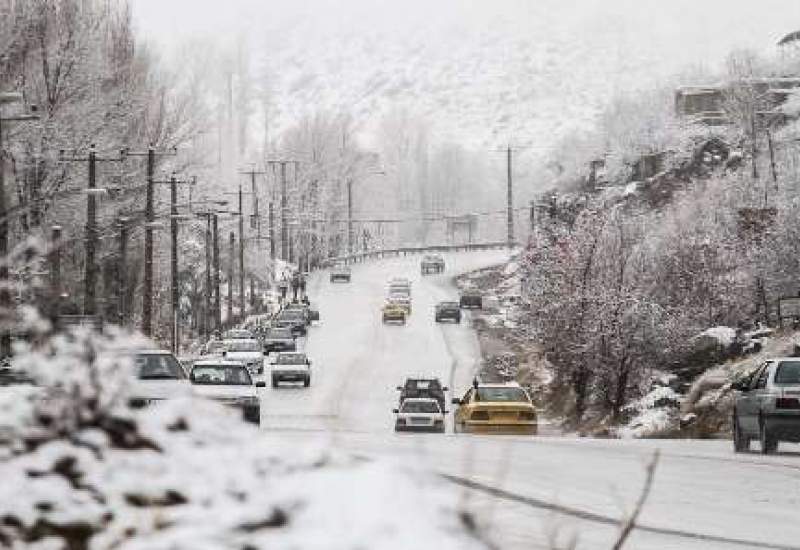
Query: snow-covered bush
[[80, 470]]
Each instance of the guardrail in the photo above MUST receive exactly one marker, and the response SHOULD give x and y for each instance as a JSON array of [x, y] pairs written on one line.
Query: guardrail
[[407, 250]]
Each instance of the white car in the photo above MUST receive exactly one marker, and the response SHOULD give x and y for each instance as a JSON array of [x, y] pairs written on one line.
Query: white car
[[290, 367], [247, 352], [159, 376], [228, 382], [419, 414]]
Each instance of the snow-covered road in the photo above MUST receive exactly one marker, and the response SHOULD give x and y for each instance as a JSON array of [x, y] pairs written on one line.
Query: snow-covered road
[[529, 491]]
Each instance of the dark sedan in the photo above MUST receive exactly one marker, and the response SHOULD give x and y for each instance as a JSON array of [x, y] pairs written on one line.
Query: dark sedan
[[279, 339], [450, 311], [471, 298]]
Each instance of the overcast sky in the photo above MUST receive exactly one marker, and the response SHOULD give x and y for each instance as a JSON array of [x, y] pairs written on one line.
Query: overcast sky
[[441, 54]]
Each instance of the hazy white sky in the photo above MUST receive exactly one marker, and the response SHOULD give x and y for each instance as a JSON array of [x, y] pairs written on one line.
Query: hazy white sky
[[492, 67]]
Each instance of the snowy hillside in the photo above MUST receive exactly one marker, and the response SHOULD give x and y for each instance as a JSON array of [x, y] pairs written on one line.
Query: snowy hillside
[[486, 74]]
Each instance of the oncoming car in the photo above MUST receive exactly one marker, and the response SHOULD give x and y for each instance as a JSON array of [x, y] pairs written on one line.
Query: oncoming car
[[767, 405], [291, 367], [419, 415], [227, 382], [341, 273], [495, 408]]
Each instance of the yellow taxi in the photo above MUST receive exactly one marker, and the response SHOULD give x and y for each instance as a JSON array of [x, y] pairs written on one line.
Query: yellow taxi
[[394, 313], [495, 408]]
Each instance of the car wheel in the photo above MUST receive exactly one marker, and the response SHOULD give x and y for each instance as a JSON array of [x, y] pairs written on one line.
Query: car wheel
[[307, 382], [274, 382], [458, 319], [768, 442], [741, 443]]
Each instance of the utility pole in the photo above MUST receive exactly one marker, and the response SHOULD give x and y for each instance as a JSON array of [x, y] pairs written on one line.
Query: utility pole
[[349, 215], [271, 222], [89, 301], [55, 271], [510, 202], [173, 218], [5, 294], [149, 213], [122, 272], [90, 267], [207, 293], [217, 297], [232, 242], [242, 302], [284, 204]]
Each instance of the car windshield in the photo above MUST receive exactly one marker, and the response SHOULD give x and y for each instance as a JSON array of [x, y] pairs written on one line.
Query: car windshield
[[242, 345], [280, 333], [501, 395], [227, 375], [788, 373], [448, 305], [420, 407], [159, 367], [290, 359]]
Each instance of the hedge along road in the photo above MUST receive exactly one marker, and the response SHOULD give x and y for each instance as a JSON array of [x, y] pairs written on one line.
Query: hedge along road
[[524, 491]]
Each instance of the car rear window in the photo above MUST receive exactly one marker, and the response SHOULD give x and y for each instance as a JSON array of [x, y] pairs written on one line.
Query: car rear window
[[502, 394], [291, 359], [159, 367], [420, 407], [788, 373], [279, 333]]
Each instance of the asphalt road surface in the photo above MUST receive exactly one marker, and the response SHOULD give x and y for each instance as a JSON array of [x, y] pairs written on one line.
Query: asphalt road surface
[[526, 492]]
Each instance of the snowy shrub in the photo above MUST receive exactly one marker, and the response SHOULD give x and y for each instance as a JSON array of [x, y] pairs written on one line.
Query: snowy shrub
[[656, 413], [81, 470]]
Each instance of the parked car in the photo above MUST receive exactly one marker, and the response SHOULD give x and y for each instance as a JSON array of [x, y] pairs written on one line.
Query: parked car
[[310, 315], [248, 352], [340, 273], [394, 313], [419, 415], [767, 405], [291, 367], [495, 408], [295, 319], [279, 339], [230, 383], [238, 334], [429, 388], [159, 376], [447, 311], [432, 263], [471, 298]]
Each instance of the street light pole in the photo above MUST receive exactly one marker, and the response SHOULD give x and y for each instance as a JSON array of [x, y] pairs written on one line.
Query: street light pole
[[217, 297]]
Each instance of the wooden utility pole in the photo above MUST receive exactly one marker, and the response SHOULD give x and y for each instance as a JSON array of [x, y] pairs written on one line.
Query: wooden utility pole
[[217, 297], [122, 272], [509, 201], [91, 237], [284, 203], [231, 262], [149, 218]]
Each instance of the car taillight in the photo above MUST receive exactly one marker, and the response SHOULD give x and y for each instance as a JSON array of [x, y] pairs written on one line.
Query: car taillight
[[527, 415], [787, 403], [480, 415]]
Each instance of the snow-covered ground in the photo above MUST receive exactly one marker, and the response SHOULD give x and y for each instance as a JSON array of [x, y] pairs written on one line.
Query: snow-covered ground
[[709, 497]]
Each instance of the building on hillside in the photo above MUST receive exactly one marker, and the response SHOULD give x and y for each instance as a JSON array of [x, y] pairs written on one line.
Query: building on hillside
[[707, 104]]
